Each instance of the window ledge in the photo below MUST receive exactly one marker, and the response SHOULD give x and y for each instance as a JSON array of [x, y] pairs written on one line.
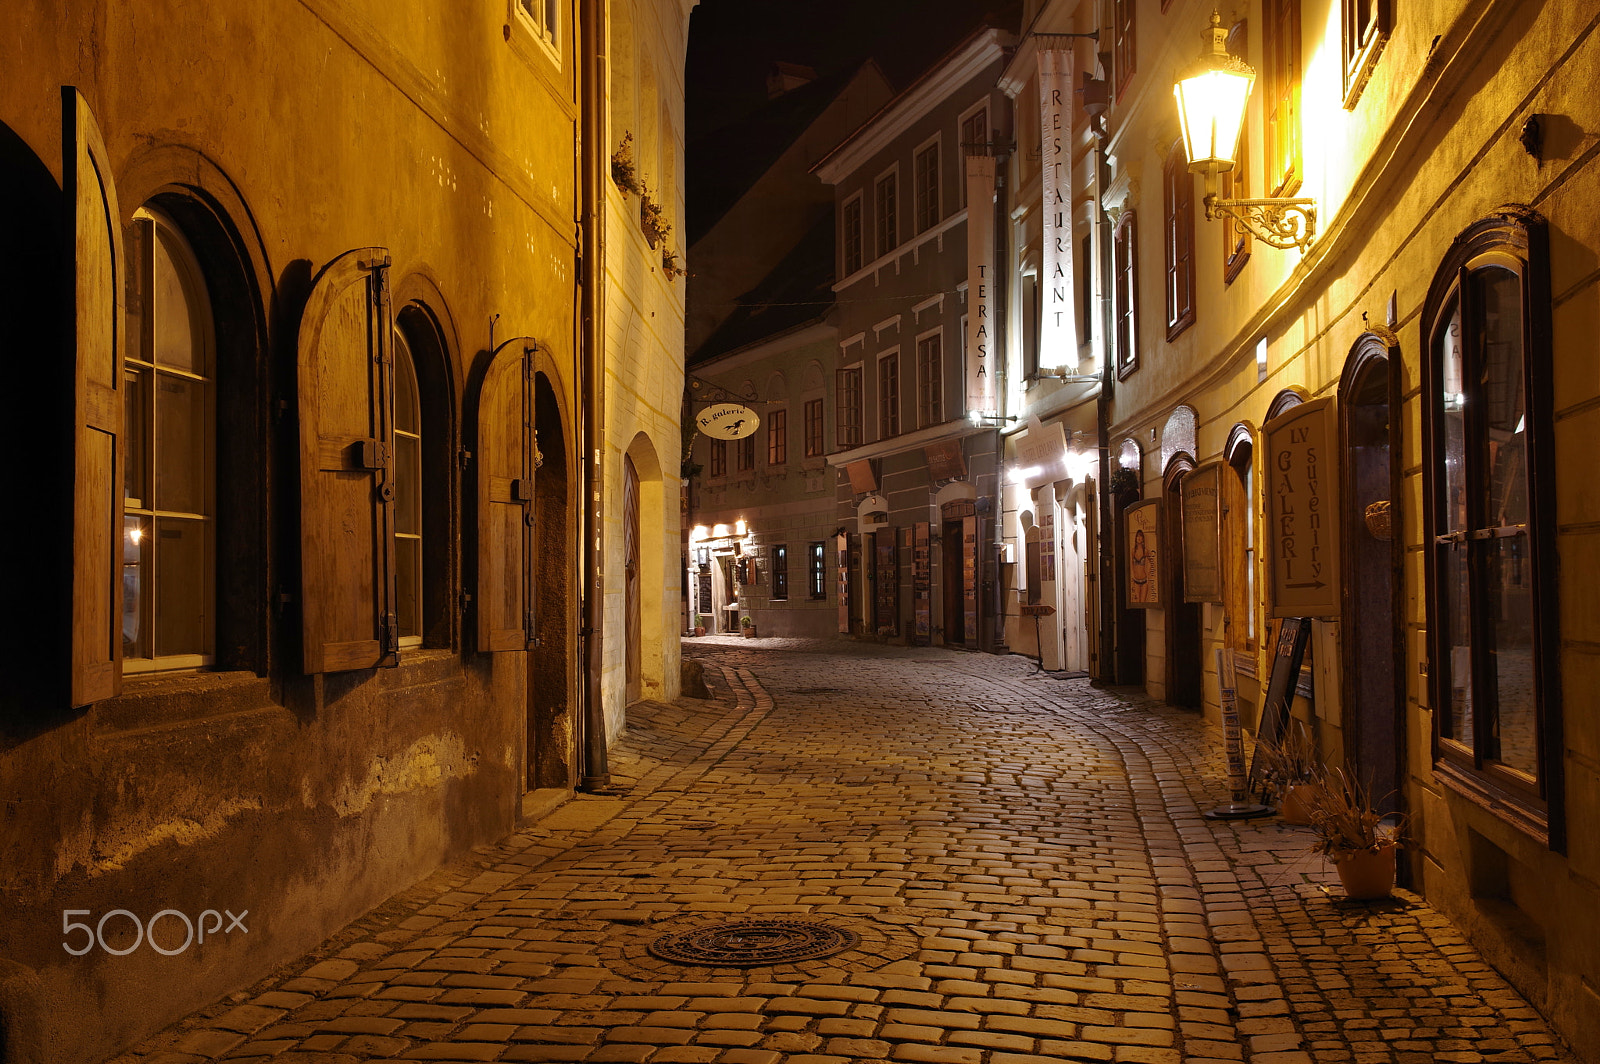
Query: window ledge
[[172, 699], [1497, 802]]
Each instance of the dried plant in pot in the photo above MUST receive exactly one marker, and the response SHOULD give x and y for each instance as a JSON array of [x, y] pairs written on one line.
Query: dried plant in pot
[[1350, 832], [1291, 766]]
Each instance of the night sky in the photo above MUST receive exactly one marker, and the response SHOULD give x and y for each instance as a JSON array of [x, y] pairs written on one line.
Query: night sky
[[733, 43]]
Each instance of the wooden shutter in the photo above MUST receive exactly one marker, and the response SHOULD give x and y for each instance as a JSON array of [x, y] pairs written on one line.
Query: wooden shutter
[[96, 299], [506, 462], [346, 372]]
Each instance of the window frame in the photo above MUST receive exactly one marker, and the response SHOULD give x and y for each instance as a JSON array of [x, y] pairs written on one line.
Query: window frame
[[778, 437], [1235, 184], [887, 380], [930, 384], [1363, 36], [849, 404], [780, 573], [744, 454], [717, 460], [1124, 42], [815, 429], [405, 357], [852, 235], [967, 145], [154, 222], [1280, 98], [544, 27], [817, 570], [1125, 293], [927, 205], [886, 220], [1514, 238], [1177, 209]]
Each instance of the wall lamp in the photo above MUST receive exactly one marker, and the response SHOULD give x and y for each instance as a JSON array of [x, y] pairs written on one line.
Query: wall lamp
[[1212, 94]]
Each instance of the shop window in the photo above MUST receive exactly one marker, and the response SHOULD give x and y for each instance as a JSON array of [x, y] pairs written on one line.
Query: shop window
[[925, 175], [780, 573], [817, 579], [1488, 527], [1125, 262], [1177, 198], [169, 479], [850, 238], [930, 380], [847, 384], [777, 437], [884, 196], [1123, 41], [814, 431], [1281, 96], [719, 458], [889, 395]]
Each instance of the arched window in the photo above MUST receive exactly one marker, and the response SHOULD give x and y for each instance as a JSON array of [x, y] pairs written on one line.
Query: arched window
[[1488, 400], [169, 476], [407, 494]]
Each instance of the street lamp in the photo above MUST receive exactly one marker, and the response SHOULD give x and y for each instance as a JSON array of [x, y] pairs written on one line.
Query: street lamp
[[1211, 96]]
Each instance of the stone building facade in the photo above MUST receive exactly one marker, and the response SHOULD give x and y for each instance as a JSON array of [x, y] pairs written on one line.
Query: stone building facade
[[297, 297]]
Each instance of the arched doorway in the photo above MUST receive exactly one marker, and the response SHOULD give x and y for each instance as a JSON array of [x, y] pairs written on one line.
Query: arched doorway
[[632, 609], [1185, 676], [1374, 644], [1126, 489]]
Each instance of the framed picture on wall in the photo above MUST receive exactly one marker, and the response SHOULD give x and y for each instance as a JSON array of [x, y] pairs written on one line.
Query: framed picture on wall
[[1141, 553]]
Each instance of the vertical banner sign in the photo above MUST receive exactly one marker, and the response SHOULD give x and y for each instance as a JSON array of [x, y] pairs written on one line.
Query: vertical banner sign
[[1303, 510], [980, 285], [1058, 340]]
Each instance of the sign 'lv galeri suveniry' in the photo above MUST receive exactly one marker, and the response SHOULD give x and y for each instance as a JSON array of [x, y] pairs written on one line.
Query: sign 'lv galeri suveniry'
[[1303, 510]]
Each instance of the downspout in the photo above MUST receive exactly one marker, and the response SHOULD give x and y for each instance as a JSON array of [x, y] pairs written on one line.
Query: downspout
[[596, 771], [1106, 649]]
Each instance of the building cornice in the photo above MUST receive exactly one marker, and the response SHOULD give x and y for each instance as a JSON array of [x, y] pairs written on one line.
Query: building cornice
[[900, 113]]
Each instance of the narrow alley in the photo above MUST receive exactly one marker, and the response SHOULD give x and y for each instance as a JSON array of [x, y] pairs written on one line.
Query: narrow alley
[[1018, 865]]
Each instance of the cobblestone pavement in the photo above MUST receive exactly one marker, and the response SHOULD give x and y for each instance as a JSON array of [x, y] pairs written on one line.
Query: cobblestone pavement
[[1022, 858]]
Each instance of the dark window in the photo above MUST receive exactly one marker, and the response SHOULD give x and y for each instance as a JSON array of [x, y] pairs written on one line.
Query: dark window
[[777, 437], [818, 571], [1366, 26], [888, 223], [974, 141], [1236, 182], [848, 414], [1123, 41], [780, 572], [925, 171], [930, 369], [719, 458], [745, 454], [1489, 530], [1125, 259], [1177, 198], [1030, 324], [852, 237], [814, 444], [1281, 96], [888, 396]]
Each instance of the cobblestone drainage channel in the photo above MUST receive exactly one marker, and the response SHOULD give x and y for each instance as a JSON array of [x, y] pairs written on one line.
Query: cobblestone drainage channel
[[754, 943]]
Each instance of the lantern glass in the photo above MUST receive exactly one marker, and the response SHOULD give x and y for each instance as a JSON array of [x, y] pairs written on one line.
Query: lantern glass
[[1211, 109]]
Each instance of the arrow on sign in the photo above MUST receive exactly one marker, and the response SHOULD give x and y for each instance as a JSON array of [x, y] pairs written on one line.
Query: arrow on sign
[[1317, 583]]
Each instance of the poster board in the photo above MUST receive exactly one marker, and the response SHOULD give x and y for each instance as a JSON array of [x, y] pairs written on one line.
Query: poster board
[[1288, 650], [1303, 511], [1202, 534], [1141, 554]]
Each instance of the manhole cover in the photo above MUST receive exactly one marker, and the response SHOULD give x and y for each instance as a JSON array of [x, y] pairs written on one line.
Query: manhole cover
[[754, 943]]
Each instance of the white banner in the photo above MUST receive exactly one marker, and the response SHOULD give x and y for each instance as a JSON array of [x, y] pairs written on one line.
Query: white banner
[[980, 285], [1058, 333]]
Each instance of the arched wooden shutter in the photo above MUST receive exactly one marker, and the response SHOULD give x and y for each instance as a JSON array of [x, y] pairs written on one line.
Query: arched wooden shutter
[[97, 282], [346, 373], [506, 461]]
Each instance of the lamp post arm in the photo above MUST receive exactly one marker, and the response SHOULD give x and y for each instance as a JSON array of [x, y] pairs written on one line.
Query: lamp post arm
[[1279, 223]]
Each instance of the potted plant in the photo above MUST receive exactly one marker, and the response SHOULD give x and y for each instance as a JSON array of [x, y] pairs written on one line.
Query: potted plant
[[1351, 833], [700, 624], [747, 626], [671, 263], [1291, 766], [652, 219], [624, 174]]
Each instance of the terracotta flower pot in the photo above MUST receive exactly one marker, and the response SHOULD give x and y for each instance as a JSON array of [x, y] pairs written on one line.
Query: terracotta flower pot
[[1368, 874], [1298, 801]]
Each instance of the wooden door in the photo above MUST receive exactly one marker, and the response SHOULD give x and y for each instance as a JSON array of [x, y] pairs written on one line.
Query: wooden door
[[630, 550], [1185, 677], [505, 490]]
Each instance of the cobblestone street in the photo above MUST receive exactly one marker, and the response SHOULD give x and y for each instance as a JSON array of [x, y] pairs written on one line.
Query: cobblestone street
[[1023, 860]]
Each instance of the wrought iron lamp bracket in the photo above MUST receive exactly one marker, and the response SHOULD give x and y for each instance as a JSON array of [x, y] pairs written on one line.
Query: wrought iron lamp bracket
[[1279, 223]]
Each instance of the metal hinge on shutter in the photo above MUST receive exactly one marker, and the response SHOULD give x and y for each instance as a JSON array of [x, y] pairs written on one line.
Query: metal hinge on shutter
[[391, 633]]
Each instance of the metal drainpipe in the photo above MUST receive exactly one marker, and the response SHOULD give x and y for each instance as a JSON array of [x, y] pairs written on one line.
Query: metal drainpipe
[[596, 773], [1107, 670]]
